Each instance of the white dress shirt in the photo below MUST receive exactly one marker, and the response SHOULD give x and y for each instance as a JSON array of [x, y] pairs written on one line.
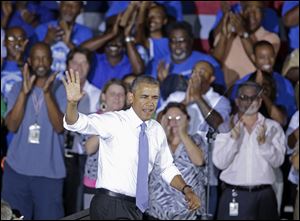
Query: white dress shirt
[[293, 125], [244, 161], [118, 150], [198, 123]]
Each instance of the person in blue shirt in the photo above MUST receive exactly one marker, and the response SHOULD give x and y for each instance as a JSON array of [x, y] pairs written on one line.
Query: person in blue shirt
[[182, 58], [120, 56], [290, 18], [63, 34], [15, 43], [264, 61], [270, 20], [151, 23], [34, 168], [28, 15], [174, 8]]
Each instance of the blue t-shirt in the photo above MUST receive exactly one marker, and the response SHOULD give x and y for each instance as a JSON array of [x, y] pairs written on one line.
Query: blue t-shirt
[[104, 71], [294, 31], [60, 50], [174, 8], [159, 48], [185, 68], [47, 158], [284, 92], [10, 74], [43, 14], [270, 20]]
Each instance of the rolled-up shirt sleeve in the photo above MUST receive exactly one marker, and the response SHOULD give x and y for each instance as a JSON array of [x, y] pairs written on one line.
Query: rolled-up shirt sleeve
[[93, 124], [273, 150], [166, 164]]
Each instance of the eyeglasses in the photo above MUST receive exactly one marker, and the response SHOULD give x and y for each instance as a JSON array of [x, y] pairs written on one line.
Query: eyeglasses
[[178, 40], [243, 97], [177, 118], [13, 38]]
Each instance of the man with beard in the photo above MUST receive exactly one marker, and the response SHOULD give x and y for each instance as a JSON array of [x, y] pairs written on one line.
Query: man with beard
[[183, 58], [63, 34], [34, 167], [247, 155], [264, 60]]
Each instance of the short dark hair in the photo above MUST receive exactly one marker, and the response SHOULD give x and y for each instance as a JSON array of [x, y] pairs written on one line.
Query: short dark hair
[[180, 106], [143, 79], [261, 44], [41, 44], [253, 84], [182, 25], [80, 50]]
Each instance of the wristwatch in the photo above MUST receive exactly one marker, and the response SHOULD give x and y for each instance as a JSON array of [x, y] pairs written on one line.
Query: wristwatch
[[129, 39], [245, 35]]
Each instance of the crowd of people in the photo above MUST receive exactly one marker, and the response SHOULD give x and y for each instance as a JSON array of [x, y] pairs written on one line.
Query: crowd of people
[[126, 118]]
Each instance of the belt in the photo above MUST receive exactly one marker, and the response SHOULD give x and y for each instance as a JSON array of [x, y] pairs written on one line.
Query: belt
[[248, 188], [116, 195]]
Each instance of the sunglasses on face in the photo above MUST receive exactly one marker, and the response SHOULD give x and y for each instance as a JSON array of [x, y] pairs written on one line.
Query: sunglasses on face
[[243, 97]]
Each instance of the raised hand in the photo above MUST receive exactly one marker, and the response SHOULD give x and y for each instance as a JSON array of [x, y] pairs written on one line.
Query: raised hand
[[49, 83], [67, 29], [193, 200], [261, 137], [235, 132], [27, 79], [128, 28], [193, 92], [163, 70], [116, 28], [72, 86], [183, 126], [54, 34], [6, 8]]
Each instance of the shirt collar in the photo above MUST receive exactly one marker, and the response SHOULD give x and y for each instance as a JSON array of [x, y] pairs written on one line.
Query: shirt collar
[[135, 120], [260, 119]]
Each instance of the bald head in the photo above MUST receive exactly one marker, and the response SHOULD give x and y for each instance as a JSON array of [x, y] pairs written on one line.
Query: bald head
[[41, 46], [40, 59]]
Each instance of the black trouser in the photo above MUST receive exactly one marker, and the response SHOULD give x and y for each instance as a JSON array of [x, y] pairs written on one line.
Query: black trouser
[[73, 183], [258, 204], [117, 207]]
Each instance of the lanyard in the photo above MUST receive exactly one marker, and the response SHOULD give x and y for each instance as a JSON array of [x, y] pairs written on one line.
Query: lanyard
[[37, 103]]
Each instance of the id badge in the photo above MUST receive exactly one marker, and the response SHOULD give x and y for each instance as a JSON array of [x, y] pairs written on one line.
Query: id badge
[[34, 134], [233, 209]]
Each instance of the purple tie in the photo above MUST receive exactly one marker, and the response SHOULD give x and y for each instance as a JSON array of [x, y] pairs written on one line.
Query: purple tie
[[142, 173]]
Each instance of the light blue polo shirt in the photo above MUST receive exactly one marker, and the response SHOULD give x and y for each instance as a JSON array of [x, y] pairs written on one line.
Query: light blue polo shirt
[[47, 158]]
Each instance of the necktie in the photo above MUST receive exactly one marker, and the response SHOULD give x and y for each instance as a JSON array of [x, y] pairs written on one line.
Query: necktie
[[142, 173]]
